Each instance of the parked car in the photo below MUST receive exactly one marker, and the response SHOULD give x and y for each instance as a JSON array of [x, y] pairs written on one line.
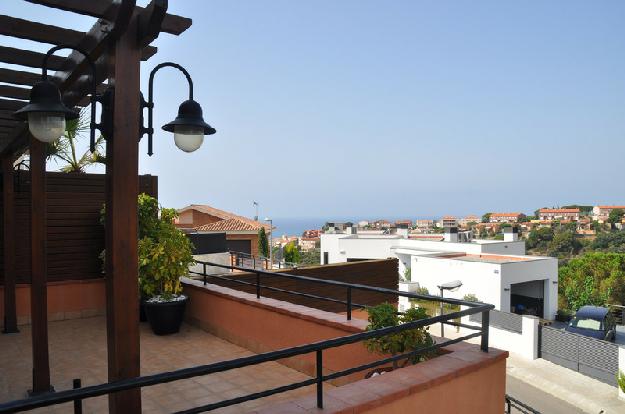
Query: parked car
[[593, 321]]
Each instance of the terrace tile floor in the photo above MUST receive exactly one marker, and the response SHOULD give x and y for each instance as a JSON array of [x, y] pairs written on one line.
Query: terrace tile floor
[[78, 350]]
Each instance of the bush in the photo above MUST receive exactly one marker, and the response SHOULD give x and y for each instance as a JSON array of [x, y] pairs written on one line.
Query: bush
[[422, 290], [385, 315], [620, 379], [470, 297], [165, 253]]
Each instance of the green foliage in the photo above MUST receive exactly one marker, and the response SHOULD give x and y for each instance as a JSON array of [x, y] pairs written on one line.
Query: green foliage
[[422, 290], [616, 216], [592, 279], [583, 210], [613, 242], [263, 244], [385, 315], [64, 149], [486, 218], [620, 379], [291, 253], [539, 239], [165, 253], [470, 297], [564, 244], [407, 274], [311, 257]]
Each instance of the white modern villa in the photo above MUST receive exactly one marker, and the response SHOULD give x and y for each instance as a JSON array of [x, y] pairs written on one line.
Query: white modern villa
[[495, 271]]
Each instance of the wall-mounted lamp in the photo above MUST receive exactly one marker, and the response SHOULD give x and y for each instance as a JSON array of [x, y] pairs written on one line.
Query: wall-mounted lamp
[[189, 127], [46, 113]]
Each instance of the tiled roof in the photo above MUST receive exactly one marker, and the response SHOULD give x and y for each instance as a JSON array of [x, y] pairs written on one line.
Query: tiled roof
[[612, 207], [505, 214], [232, 224]]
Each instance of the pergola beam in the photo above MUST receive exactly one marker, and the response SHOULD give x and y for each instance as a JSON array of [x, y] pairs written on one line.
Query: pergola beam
[[19, 77], [11, 105], [8, 91], [38, 32], [29, 58], [8, 219], [171, 23]]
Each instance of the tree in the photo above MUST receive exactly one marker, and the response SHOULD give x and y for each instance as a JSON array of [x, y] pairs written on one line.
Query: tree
[[564, 244], [486, 218], [593, 279], [540, 238], [64, 149], [291, 253], [263, 244], [311, 257], [616, 216], [613, 242]]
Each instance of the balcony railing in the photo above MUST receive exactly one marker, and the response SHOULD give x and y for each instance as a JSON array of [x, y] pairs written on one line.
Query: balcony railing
[[79, 394]]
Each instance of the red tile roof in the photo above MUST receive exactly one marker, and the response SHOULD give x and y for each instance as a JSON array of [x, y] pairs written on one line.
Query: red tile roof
[[612, 207], [505, 214], [229, 221]]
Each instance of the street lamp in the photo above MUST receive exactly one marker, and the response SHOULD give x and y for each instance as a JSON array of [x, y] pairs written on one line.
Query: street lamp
[[452, 287], [46, 113], [270, 240]]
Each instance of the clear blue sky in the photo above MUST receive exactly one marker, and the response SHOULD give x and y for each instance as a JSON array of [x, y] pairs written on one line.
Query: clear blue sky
[[403, 108]]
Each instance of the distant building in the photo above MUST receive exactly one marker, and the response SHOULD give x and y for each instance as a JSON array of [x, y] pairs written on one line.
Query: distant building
[[550, 214], [241, 232], [601, 213], [382, 224], [506, 217], [464, 222], [308, 243], [311, 234], [424, 225], [449, 221], [496, 271], [403, 223]]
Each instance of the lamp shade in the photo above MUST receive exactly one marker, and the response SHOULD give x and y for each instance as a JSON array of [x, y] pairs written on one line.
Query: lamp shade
[[46, 114], [189, 116]]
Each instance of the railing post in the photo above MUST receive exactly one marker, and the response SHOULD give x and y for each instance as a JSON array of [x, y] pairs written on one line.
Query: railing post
[[257, 285], [319, 380], [485, 324], [349, 303], [76, 383], [254, 262]]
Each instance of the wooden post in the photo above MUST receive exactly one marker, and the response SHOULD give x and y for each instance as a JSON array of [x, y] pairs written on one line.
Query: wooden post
[[38, 289], [122, 186], [8, 240]]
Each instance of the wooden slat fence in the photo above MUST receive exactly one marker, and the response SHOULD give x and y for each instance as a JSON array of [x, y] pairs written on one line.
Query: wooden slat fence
[[75, 235]]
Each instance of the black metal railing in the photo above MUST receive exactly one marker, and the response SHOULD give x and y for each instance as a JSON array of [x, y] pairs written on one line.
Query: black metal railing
[[79, 394], [518, 407]]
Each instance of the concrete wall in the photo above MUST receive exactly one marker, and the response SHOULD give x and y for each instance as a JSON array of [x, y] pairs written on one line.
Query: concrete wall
[[70, 299], [543, 269]]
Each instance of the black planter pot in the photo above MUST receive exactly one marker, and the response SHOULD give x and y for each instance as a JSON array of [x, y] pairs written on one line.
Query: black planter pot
[[142, 316], [166, 317]]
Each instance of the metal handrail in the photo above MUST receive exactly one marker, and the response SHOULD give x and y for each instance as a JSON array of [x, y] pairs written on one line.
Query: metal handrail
[[77, 395], [519, 406]]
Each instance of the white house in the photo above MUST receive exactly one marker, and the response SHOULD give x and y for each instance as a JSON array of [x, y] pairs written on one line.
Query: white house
[[496, 271]]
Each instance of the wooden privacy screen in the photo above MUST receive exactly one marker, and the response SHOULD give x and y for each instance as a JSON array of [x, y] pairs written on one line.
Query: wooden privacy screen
[[75, 235], [378, 273]]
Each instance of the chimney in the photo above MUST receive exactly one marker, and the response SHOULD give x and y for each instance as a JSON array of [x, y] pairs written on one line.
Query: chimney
[[350, 228], [451, 234], [402, 230], [510, 234]]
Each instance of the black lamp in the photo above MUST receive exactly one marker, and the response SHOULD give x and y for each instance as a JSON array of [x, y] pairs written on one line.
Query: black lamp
[[189, 127], [46, 113]]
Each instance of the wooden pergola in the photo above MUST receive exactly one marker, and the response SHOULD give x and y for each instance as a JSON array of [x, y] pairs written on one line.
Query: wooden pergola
[[117, 43]]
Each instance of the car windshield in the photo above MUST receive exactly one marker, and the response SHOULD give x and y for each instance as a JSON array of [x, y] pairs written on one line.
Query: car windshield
[[593, 324]]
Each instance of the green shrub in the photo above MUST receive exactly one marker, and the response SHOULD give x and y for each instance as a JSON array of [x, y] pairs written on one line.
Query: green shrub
[[385, 315], [470, 297], [422, 290], [165, 253], [620, 379]]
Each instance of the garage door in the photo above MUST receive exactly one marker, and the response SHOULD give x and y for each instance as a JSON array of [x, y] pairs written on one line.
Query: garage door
[[240, 246]]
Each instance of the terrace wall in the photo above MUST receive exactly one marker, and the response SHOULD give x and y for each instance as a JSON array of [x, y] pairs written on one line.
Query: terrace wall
[[75, 235], [379, 273], [70, 299]]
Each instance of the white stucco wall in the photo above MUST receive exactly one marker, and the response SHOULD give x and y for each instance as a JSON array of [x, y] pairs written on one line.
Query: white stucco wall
[[543, 268]]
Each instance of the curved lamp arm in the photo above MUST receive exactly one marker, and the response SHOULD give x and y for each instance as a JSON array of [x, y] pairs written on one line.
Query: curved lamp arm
[[93, 99], [150, 103]]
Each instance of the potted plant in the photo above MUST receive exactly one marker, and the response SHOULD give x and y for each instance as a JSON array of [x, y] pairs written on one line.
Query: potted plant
[[165, 254], [385, 315]]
